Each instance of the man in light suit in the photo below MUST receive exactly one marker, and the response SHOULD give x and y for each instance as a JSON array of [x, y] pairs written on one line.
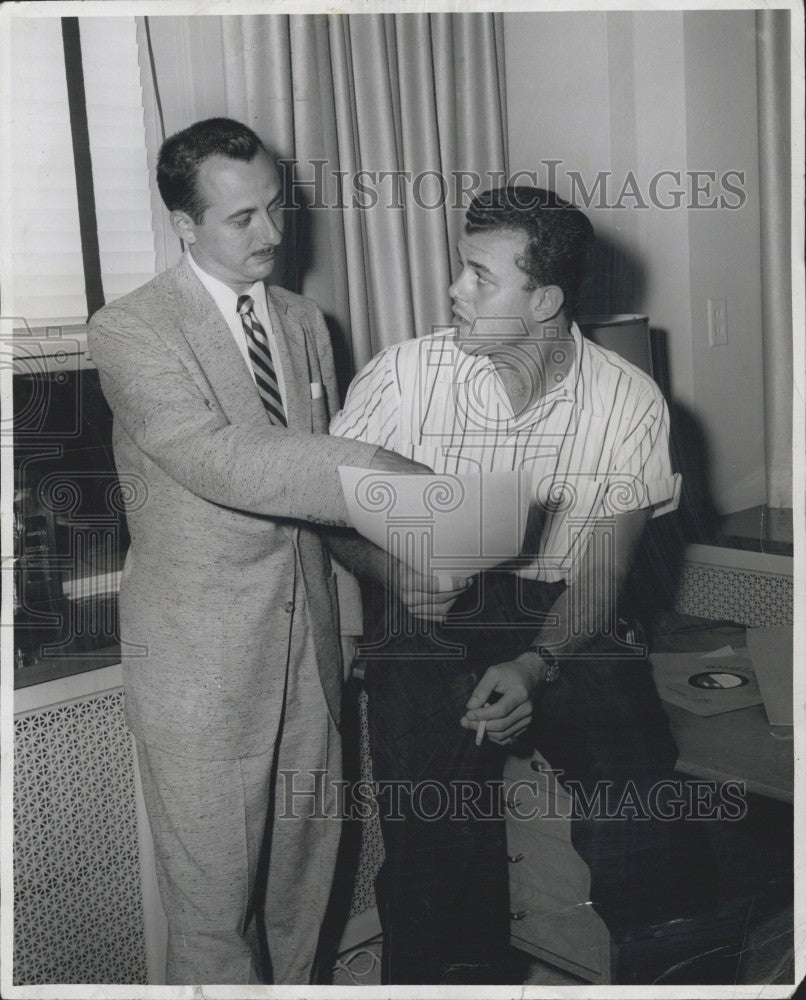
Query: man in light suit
[[221, 390]]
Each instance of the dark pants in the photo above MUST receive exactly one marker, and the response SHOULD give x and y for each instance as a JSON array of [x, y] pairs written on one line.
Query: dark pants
[[603, 726], [443, 889], [443, 892]]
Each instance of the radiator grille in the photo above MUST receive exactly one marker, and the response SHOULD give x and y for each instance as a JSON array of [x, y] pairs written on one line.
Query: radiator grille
[[78, 914], [757, 600], [372, 853]]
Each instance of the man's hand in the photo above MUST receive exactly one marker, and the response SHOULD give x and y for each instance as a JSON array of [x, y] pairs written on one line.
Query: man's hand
[[516, 682], [390, 461], [422, 595]]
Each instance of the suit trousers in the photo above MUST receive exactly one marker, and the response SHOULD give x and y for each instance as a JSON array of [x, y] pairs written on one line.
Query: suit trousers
[[603, 727], [260, 830]]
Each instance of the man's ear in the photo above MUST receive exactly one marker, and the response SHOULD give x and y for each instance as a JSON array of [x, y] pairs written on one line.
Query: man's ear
[[183, 226], [546, 302]]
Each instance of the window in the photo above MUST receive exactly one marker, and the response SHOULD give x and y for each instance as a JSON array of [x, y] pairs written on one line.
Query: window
[[69, 533], [47, 269]]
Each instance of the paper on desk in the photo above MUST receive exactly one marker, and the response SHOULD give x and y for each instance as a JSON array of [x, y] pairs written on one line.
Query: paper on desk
[[443, 524], [671, 672], [717, 654], [770, 650]]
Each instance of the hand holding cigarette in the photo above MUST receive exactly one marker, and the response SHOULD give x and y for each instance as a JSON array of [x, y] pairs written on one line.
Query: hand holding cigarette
[[500, 706]]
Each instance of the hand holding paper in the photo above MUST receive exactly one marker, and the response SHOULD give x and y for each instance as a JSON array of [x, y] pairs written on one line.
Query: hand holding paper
[[427, 596], [390, 461]]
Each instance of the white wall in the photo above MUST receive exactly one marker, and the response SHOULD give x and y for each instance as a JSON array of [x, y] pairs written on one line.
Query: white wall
[[646, 92]]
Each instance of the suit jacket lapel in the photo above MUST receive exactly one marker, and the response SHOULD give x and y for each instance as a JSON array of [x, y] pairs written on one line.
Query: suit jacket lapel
[[293, 358], [214, 346], [212, 342]]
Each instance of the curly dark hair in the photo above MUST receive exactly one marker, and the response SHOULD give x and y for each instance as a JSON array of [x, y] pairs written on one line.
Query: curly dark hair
[[558, 235], [182, 154]]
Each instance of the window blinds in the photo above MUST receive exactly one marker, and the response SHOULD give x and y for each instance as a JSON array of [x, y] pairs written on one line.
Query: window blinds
[[47, 267]]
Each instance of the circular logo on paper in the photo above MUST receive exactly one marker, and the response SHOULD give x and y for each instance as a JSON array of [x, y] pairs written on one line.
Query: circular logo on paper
[[716, 680]]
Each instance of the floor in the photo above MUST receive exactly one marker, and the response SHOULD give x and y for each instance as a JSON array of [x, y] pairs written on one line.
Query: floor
[[361, 967], [767, 957]]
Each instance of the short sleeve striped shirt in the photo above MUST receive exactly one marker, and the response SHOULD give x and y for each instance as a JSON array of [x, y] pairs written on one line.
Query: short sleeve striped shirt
[[595, 445]]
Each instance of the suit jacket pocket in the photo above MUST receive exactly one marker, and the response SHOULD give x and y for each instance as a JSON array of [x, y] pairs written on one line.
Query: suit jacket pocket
[[320, 421]]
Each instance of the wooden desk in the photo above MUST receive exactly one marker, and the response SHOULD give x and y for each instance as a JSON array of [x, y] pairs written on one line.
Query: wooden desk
[[735, 746], [550, 883]]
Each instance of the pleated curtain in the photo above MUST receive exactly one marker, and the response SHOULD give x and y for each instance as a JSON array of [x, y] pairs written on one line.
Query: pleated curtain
[[775, 163], [417, 98]]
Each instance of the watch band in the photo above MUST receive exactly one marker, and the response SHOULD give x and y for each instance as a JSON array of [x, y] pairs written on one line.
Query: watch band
[[551, 661]]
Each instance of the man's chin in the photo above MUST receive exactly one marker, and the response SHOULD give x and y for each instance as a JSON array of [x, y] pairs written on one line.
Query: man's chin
[[461, 338], [467, 344], [262, 267]]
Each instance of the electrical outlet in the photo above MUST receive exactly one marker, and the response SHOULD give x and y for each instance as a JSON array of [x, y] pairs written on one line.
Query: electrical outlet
[[717, 322]]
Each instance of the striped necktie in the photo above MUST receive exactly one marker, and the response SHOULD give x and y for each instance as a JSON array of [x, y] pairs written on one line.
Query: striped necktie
[[259, 354]]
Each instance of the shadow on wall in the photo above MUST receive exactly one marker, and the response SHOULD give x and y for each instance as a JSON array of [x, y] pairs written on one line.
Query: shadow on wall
[[659, 563], [615, 283], [296, 259]]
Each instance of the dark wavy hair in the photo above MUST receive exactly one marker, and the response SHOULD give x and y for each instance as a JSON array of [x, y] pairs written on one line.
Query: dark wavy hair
[[558, 235], [182, 154]]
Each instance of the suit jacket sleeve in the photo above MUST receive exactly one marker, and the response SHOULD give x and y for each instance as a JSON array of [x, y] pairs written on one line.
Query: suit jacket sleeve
[[252, 467]]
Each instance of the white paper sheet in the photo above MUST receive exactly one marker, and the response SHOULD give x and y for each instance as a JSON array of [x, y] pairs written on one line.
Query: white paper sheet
[[770, 649], [442, 524]]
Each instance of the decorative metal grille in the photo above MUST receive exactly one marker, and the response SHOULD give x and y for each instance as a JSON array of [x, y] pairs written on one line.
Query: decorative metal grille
[[78, 913], [371, 854], [757, 600]]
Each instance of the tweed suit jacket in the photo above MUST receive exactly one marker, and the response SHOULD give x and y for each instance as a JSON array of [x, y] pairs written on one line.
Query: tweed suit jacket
[[219, 504]]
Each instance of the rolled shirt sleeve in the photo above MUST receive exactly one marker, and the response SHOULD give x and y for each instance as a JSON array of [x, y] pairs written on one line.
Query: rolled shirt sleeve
[[642, 474]]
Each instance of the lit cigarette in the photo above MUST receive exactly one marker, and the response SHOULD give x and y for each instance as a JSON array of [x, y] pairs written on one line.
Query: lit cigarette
[[482, 727]]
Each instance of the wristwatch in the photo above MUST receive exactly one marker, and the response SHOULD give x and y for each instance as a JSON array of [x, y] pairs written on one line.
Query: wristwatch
[[551, 661]]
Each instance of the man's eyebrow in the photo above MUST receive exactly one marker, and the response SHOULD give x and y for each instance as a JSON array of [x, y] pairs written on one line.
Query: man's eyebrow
[[478, 265], [249, 209]]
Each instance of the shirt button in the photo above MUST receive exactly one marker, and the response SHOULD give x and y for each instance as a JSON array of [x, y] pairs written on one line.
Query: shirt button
[[288, 607]]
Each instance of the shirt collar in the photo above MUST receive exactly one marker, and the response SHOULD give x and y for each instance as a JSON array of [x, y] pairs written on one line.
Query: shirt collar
[[468, 366], [226, 298]]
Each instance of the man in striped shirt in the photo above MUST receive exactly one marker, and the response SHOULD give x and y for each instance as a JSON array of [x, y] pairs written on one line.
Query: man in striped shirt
[[513, 385]]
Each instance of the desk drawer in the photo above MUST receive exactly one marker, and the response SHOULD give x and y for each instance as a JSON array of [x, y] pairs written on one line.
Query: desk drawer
[[545, 861], [568, 934], [536, 800]]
